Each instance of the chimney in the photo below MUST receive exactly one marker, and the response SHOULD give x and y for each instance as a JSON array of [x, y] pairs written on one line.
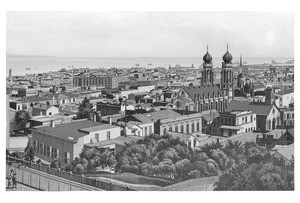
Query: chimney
[[94, 118], [52, 123]]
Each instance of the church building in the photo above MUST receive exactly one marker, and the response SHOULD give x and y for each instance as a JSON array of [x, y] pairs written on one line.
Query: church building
[[208, 95]]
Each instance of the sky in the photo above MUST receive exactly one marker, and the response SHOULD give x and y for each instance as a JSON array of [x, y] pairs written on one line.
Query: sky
[[149, 34]]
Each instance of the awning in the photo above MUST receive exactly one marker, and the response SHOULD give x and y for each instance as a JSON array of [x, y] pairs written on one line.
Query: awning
[[231, 127]]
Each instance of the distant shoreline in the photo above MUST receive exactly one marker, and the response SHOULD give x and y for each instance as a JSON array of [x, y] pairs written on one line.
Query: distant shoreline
[[42, 64]]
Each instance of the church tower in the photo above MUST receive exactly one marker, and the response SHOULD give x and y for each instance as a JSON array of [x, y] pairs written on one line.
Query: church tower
[[207, 72], [227, 78]]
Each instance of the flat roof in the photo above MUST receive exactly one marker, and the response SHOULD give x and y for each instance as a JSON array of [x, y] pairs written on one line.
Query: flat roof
[[66, 131], [99, 127], [121, 140]]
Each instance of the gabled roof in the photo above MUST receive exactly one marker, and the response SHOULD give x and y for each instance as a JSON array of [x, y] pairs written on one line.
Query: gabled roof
[[31, 99], [42, 106], [259, 109], [287, 152], [142, 118], [64, 95], [157, 115], [258, 85], [210, 115], [202, 90], [182, 136]]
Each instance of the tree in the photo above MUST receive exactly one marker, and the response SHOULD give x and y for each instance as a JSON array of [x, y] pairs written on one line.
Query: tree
[[85, 110], [56, 163], [79, 169], [29, 152], [257, 176], [107, 159], [182, 168], [22, 117]]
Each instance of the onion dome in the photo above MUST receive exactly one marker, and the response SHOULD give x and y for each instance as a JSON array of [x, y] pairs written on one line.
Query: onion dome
[[207, 57], [227, 57]]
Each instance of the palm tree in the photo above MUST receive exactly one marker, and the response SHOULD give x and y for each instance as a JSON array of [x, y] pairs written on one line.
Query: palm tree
[[22, 117]]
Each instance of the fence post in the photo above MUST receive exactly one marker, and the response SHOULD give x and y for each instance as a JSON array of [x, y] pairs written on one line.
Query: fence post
[[95, 182], [59, 172], [110, 186], [70, 174], [49, 169], [127, 188], [39, 166]]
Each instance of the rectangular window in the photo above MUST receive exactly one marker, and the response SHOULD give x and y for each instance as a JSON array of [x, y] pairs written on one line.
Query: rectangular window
[[48, 151], [195, 143], [35, 146], [251, 118], [108, 135], [67, 157], [54, 152], [44, 150], [189, 144], [40, 148], [246, 119]]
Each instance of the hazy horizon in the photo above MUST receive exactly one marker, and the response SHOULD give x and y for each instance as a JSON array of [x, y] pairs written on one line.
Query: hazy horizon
[[149, 34]]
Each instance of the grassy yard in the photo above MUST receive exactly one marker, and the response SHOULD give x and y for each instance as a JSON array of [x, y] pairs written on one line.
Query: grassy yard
[[133, 179]]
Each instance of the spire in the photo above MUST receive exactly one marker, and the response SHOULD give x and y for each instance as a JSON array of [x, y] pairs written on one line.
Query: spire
[[227, 57], [241, 60], [207, 57]]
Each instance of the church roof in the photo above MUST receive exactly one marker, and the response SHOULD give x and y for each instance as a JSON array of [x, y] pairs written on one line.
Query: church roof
[[202, 90]]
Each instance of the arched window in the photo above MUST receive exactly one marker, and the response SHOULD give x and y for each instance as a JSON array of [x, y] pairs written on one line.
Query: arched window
[[170, 128], [193, 127], [198, 126], [273, 124], [187, 128], [269, 125], [176, 128], [201, 107]]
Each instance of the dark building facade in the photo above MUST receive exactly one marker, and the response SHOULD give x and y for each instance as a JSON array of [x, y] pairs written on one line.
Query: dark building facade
[[109, 81], [107, 109]]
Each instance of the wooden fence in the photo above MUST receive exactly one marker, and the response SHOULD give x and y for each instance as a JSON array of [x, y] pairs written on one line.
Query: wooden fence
[[70, 176]]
